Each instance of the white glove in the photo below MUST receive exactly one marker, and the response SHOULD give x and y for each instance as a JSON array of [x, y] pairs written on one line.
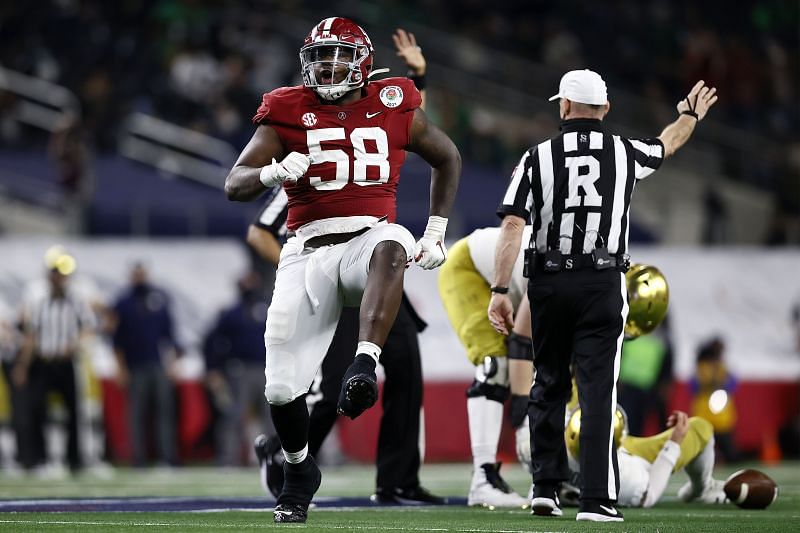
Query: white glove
[[292, 168], [430, 251], [523, 441]]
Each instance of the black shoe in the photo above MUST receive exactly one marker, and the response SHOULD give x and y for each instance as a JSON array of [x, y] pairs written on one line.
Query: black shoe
[[290, 512], [413, 496], [545, 500], [301, 482], [599, 511], [569, 495], [359, 387], [270, 463]]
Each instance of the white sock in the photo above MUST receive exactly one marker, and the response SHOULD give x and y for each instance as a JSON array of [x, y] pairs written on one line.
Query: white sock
[[296, 457], [701, 467], [485, 422], [372, 350]]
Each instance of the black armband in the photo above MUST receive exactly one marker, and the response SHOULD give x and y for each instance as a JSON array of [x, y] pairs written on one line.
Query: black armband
[[418, 79], [691, 114], [499, 290]]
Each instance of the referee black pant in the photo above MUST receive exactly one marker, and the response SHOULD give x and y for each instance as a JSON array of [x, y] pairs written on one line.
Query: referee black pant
[[54, 375], [576, 315], [398, 457]]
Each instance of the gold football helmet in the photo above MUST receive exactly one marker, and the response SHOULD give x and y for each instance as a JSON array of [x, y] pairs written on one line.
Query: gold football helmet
[[572, 432], [648, 299]]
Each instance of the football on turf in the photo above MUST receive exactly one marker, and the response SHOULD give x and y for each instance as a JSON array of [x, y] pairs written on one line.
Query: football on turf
[[751, 489]]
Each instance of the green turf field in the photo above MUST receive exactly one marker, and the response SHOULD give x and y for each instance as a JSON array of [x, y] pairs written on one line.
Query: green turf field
[[668, 515]]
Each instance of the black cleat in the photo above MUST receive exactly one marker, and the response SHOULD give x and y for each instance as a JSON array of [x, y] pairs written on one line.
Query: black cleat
[[359, 387], [290, 512], [599, 511], [545, 500], [270, 463], [412, 496], [301, 482]]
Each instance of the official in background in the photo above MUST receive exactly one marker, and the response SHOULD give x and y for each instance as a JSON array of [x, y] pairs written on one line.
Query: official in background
[[576, 188], [398, 459], [55, 321], [234, 351], [143, 338]]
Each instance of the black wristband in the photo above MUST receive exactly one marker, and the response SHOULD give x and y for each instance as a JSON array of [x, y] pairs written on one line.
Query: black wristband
[[691, 114], [499, 290], [419, 80]]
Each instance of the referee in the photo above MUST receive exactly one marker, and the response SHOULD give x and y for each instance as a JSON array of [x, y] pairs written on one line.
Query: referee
[[55, 322], [398, 458], [577, 187]]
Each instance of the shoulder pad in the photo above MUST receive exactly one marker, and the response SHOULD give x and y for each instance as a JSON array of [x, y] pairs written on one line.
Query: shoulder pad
[[275, 103]]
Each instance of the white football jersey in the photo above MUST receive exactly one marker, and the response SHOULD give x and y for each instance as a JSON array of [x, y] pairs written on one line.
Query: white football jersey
[[482, 243]]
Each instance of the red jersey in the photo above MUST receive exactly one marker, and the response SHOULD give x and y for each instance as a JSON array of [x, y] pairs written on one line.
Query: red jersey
[[357, 149]]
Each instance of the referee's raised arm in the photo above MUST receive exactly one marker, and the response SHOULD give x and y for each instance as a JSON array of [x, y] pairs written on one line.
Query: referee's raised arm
[[577, 188], [692, 110]]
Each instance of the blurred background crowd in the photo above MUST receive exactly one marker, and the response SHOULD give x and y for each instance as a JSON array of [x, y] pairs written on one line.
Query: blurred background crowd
[[203, 64]]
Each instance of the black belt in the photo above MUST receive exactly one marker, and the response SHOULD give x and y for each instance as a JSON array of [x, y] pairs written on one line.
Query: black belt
[[333, 238], [574, 262]]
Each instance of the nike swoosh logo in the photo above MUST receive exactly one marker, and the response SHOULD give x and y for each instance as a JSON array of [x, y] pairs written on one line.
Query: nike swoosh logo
[[611, 511], [371, 115]]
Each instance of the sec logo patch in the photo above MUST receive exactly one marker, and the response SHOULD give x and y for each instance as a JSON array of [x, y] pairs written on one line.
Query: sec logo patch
[[309, 119], [391, 96]]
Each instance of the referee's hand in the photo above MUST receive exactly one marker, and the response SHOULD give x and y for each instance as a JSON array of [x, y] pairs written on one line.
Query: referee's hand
[[699, 100], [501, 313]]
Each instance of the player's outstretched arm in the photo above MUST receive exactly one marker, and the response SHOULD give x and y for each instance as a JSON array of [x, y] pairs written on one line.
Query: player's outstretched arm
[[692, 110], [435, 147], [257, 168]]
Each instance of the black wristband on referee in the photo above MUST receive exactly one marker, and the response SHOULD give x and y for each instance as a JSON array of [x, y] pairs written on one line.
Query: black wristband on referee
[[499, 290], [691, 114], [419, 80]]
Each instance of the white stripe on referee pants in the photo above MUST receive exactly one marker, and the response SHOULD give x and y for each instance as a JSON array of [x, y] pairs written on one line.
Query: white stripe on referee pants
[[612, 482]]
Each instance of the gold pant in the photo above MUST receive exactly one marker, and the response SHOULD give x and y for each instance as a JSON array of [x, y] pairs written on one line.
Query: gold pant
[[465, 296], [700, 432]]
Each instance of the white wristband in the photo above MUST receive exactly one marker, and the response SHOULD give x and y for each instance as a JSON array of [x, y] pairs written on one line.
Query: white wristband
[[436, 227], [269, 175]]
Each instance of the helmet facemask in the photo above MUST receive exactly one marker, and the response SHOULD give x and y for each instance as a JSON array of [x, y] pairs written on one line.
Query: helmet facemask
[[332, 69]]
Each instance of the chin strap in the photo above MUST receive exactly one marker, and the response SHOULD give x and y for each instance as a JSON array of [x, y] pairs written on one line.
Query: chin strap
[[377, 71]]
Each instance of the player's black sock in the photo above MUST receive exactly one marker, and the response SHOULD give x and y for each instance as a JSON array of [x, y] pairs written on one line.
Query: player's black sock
[[291, 423]]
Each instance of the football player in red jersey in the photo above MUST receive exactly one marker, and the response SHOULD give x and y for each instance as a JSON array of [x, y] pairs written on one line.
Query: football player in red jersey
[[336, 145]]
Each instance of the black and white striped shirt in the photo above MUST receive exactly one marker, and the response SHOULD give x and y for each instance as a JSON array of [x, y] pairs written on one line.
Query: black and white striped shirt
[[272, 216], [582, 182], [57, 323]]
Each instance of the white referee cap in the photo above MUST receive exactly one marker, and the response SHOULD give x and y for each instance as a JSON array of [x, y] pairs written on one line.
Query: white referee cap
[[582, 86]]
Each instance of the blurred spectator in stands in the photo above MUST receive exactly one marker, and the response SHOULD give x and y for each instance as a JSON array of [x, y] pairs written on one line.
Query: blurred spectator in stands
[[145, 345], [69, 150], [562, 48], [55, 322], [645, 377], [715, 216], [713, 387], [234, 351], [235, 105], [102, 110]]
